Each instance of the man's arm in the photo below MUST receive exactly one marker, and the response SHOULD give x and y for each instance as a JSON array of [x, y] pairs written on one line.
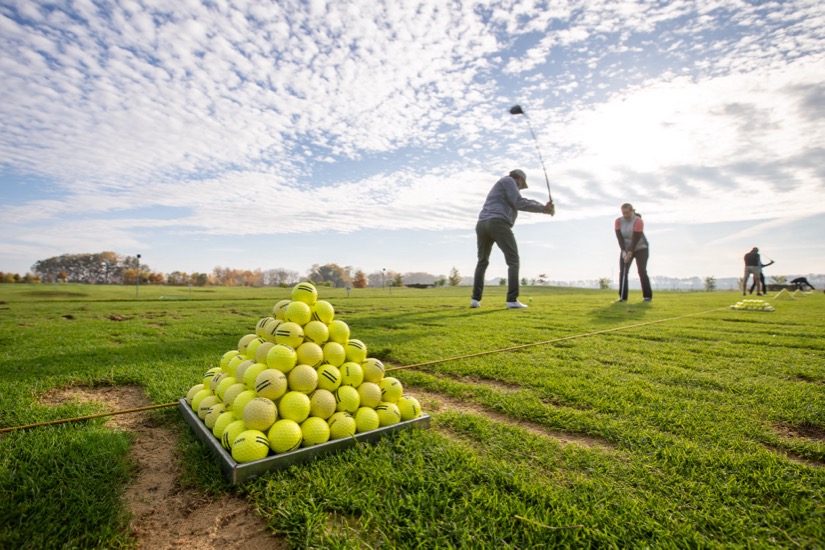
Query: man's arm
[[517, 201]]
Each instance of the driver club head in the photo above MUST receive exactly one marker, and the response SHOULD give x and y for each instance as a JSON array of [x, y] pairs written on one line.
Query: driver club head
[[516, 110]]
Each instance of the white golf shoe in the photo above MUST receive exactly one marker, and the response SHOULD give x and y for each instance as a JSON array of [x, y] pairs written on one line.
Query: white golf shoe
[[475, 303], [516, 305]]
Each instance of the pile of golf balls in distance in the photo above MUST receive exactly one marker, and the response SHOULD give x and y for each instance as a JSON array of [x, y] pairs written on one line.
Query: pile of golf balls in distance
[[298, 380], [753, 305]]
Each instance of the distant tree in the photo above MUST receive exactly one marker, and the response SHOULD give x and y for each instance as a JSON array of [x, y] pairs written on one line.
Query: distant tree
[[524, 281], [710, 283], [376, 279], [541, 279], [502, 281], [398, 280], [226, 276], [111, 264], [177, 278], [604, 283], [281, 277], [329, 273], [360, 279], [223, 276], [199, 279], [100, 268], [779, 279], [155, 278], [50, 267], [440, 281], [419, 277], [129, 276], [251, 278], [455, 277]]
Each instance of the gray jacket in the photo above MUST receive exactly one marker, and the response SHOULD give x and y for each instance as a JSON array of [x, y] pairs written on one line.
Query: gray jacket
[[504, 201]]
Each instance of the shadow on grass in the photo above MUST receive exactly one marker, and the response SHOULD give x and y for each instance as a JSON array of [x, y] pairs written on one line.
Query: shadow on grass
[[620, 311]]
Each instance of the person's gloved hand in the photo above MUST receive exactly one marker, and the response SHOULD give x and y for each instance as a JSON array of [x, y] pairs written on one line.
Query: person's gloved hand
[[550, 208]]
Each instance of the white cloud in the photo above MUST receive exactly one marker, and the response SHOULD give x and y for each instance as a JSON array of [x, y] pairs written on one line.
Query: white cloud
[[343, 116], [703, 135]]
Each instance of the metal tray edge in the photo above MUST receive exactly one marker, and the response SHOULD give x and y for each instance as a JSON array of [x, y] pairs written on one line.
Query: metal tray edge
[[236, 473]]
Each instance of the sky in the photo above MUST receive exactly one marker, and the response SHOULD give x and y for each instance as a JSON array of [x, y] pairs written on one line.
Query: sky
[[260, 135]]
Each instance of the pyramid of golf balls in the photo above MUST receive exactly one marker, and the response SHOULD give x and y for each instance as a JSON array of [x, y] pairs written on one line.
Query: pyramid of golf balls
[[753, 305], [298, 381]]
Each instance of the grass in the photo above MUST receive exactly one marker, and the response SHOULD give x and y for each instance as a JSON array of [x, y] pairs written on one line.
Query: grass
[[708, 424]]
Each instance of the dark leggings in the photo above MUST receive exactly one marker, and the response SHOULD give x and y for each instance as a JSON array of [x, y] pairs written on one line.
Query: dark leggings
[[761, 278]]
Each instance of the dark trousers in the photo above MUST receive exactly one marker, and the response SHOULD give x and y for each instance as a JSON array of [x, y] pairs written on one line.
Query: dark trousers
[[496, 231], [761, 278], [640, 257]]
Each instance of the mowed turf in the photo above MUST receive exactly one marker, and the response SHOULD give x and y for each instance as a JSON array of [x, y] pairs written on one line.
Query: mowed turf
[[695, 426]]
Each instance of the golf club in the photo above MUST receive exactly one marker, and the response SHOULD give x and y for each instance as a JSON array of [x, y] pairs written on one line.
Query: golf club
[[624, 280], [517, 110]]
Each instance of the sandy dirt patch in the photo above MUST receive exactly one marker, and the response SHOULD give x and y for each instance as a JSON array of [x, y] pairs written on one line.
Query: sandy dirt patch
[[164, 514]]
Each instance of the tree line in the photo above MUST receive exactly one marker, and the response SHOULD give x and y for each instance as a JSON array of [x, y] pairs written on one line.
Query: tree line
[[112, 268]]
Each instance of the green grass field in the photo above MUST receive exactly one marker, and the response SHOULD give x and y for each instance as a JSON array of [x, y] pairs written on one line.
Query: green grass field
[[706, 429]]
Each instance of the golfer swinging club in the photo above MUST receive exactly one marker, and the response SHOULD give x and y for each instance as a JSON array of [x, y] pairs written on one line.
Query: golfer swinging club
[[495, 225]]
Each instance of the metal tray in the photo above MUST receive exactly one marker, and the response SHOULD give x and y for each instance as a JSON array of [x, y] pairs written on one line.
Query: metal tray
[[238, 473]]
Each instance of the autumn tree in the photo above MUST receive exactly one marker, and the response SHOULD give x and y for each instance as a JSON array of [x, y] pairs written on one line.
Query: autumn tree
[[224, 276], [360, 280]]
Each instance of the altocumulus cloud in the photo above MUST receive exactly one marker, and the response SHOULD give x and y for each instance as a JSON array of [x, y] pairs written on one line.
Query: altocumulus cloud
[[340, 116]]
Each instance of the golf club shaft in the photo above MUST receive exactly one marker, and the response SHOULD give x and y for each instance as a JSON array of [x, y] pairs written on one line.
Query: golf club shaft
[[517, 110], [625, 276], [541, 159]]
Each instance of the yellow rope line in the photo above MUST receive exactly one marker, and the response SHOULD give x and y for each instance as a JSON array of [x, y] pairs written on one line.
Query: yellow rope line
[[149, 408], [573, 337], [512, 348]]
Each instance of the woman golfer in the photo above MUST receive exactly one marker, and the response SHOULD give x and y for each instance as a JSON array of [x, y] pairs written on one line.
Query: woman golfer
[[634, 246]]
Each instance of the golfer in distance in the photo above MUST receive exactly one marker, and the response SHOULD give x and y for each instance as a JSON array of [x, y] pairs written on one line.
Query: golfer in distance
[[495, 225]]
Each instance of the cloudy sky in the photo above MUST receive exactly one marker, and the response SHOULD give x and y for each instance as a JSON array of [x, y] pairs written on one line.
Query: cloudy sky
[[261, 134]]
